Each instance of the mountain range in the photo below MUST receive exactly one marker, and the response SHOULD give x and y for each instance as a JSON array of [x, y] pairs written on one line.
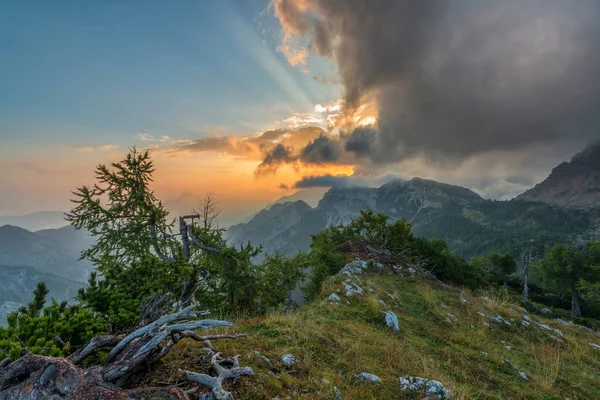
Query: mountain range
[[48, 255], [36, 221], [564, 207]]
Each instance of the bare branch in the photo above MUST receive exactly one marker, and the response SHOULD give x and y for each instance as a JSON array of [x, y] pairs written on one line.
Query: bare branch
[[216, 383]]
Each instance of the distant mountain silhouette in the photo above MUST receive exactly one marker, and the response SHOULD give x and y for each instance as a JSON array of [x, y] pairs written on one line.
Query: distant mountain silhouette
[[36, 221], [52, 251]]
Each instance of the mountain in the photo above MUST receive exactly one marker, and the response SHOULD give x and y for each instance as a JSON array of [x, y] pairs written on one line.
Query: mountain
[[53, 251], [309, 196], [48, 255], [468, 223], [35, 221], [267, 223], [18, 282], [574, 184]]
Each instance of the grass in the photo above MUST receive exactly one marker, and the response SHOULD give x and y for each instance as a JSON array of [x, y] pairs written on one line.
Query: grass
[[336, 341]]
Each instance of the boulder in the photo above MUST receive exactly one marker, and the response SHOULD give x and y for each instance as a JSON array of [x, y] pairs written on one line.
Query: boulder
[[391, 320], [432, 390]]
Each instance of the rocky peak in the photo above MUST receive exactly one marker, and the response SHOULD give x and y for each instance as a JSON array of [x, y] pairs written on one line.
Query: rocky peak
[[574, 184]]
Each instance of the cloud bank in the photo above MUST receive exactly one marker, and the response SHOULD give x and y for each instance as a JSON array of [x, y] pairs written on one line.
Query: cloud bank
[[454, 80]]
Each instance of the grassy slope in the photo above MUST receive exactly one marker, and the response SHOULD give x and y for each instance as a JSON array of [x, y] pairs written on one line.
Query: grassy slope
[[336, 341]]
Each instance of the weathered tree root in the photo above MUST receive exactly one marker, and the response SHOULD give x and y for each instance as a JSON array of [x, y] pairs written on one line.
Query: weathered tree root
[[216, 383], [35, 377]]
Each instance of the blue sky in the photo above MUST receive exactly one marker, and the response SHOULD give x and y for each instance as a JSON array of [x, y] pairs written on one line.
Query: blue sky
[[87, 73]]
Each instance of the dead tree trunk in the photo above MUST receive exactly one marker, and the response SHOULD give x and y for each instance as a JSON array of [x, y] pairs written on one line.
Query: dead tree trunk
[[575, 306], [35, 377], [526, 285], [525, 260]]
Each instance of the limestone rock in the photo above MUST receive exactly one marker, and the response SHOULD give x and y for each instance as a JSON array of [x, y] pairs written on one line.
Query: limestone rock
[[367, 377], [432, 390], [333, 298], [391, 320], [289, 360]]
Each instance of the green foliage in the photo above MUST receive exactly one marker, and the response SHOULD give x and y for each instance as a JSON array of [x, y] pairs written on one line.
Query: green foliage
[[121, 295], [324, 260], [121, 212], [54, 330], [279, 275], [565, 268], [446, 265], [396, 237]]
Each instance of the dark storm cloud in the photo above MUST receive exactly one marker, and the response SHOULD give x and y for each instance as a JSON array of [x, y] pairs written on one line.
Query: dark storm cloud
[[322, 181], [275, 157], [360, 141], [322, 150], [455, 78]]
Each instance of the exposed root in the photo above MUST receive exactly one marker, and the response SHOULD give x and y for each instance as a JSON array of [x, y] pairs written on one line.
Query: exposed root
[[38, 377], [216, 383]]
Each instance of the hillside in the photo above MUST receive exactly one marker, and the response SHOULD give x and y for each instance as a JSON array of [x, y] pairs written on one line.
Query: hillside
[[447, 334], [574, 184], [470, 224], [53, 251], [18, 282]]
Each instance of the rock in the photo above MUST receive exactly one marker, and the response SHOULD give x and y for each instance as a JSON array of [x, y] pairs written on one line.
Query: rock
[[355, 267], [594, 346], [525, 324], [546, 327], [381, 302], [523, 375], [483, 353], [391, 320], [499, 320], [379, 265], [452, 317], [333, 298], [526, 318], [432, 390], [508, 347], [443, 306], [464, 301], [480, 314], [338, 393], [352, 288], [289, 360], [367, 377], [585, 328], [563, 322], [559, 340], [411, 270], [558, 332], [546, 311], [265, 360], [487, 299]]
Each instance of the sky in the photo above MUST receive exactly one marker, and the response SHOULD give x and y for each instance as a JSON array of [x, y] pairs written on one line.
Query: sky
[[253, 99]]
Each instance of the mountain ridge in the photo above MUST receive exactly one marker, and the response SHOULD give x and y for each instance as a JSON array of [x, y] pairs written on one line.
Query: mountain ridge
[[573, 184], [469, 223]]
